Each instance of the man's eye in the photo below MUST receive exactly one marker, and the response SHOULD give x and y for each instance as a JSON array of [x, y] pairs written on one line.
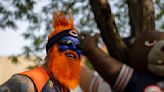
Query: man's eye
[[69, 42], [62, 43]]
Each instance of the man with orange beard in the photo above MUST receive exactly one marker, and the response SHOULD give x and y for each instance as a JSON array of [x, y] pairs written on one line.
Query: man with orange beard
[[61, 70]]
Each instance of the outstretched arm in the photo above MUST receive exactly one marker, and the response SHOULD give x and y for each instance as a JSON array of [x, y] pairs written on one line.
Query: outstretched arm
[[18, 83], [106, 66]]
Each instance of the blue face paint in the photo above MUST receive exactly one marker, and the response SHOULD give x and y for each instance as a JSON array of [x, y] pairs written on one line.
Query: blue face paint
[[69, 43]]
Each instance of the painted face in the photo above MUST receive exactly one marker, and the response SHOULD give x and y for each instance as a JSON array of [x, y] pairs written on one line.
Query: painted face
[[70, 43], [65, 61]]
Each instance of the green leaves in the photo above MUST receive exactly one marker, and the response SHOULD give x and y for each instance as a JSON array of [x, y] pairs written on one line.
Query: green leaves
[[11, 24], [37, 43], [14, 59], [159, 14], [40, 21], [24, 7]]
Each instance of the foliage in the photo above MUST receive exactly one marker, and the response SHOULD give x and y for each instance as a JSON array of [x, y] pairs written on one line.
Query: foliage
[[159, 9], [38, 13]]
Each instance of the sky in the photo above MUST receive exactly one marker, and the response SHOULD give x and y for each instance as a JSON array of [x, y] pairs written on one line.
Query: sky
[[11, 41]]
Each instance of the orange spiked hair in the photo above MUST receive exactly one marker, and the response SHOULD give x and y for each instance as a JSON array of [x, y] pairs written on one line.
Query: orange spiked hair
[[61, 23], [62, 27]]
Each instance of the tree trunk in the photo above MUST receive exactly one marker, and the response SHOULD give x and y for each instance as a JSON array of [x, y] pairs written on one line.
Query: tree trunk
[[141, 13], [105, 22]]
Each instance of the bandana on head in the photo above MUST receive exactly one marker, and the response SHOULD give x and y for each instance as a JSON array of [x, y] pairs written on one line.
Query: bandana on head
[[66, 70]]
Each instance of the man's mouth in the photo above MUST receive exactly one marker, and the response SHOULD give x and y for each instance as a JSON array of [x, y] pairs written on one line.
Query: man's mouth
[[70, 55]]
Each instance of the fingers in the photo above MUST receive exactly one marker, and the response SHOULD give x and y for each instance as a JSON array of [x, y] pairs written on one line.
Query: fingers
[[82, 36], [85, 35], [87, 42]]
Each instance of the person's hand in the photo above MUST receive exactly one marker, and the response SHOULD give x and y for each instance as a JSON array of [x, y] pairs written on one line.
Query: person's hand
[[88, 42]]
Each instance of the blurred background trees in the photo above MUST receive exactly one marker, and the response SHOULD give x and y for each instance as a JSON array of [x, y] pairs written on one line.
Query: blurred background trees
[[113, 19]]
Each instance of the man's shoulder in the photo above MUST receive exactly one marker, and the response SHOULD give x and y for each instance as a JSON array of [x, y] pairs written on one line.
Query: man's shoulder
[[18, 83], [21, 77], [38, 75]]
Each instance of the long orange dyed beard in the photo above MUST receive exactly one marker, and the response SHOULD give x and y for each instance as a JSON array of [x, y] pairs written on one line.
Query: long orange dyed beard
[[65, 69]]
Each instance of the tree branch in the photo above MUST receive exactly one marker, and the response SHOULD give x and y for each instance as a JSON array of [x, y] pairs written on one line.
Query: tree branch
[[105, 22], [141, 13]]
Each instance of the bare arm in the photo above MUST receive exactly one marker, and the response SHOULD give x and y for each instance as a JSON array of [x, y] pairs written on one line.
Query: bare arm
[[18, 83], [106, 66]]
